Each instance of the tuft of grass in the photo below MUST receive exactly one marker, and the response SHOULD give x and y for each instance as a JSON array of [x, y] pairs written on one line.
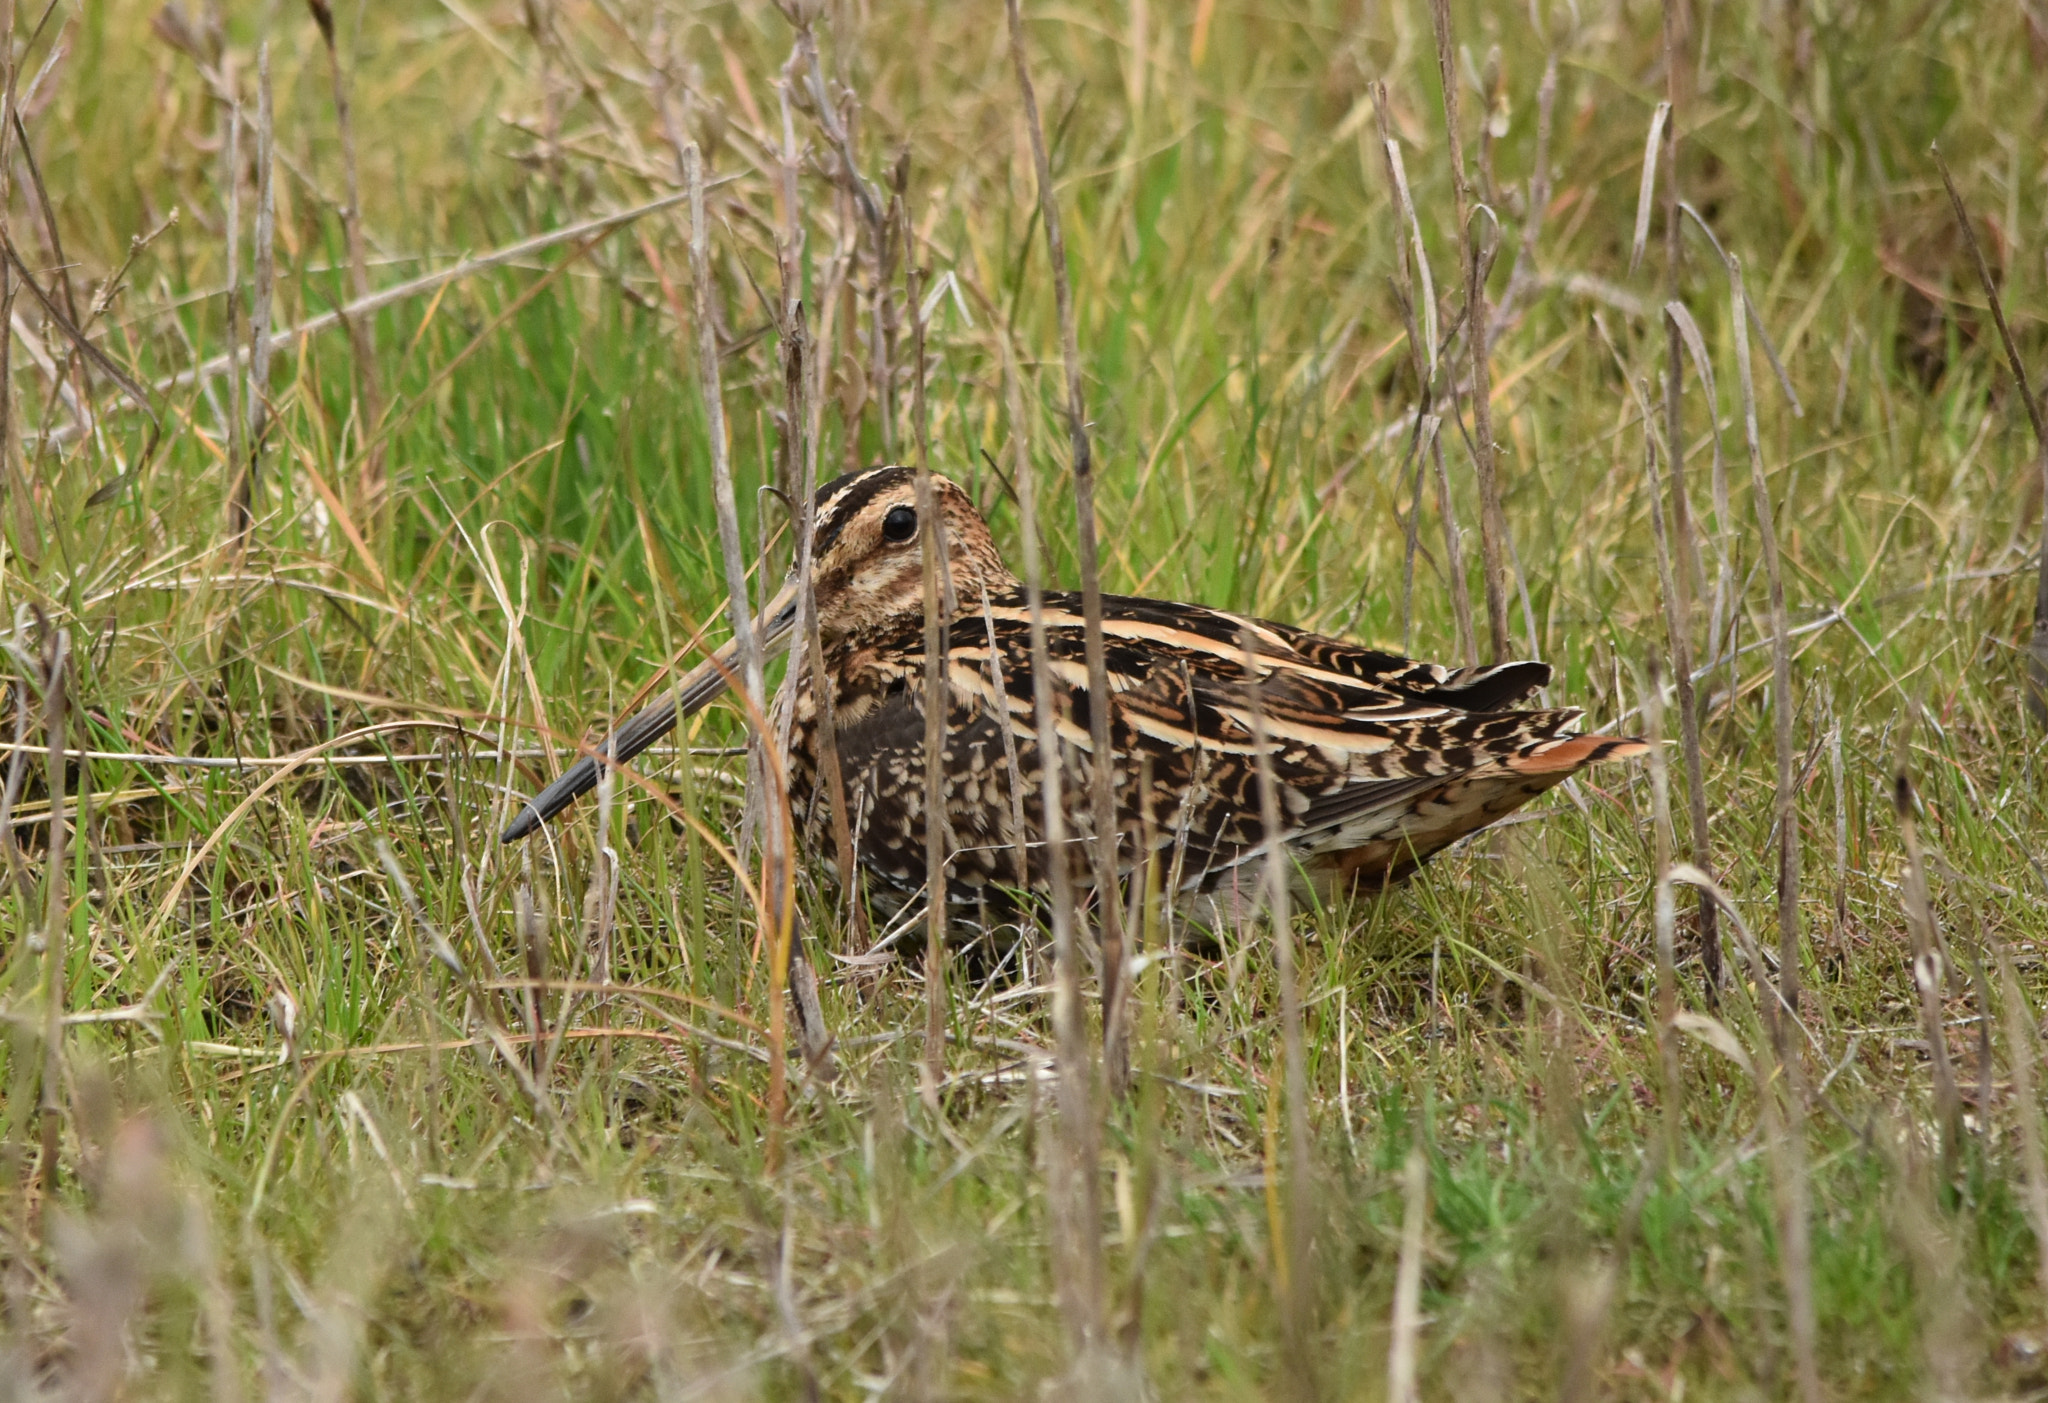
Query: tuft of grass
[[310, 1086]]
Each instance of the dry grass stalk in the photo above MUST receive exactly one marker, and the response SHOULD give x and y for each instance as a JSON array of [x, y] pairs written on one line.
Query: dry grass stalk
[[60, 265], [237, 425], [2022, 1055], [17, 759], [828, 741], [1493, 537], [13, 478], [1677, 599], [1720, 612], [764, 770], [361, 331], [704, 314], [1666, 914], [2037, 642], [931, 549], [1678, 617], [1838, 788], [1420, 313], [1454, 546], [1073, 1189], [1689, 573], [256, 399], [56, 670], [801, 431], [532, 930], [601, 896], [1781, 669], [1674, 582], [1674, 270], [1102, 786], [1929, 975]]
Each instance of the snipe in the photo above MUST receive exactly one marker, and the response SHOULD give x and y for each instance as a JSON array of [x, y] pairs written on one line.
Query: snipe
[[1381, 761]]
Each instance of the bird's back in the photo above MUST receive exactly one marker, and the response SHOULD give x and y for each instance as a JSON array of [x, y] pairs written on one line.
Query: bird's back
[[1380, 760]]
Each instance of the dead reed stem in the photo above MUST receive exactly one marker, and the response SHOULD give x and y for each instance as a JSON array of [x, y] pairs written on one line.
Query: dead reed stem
[[938, 608], [1102, 788], [1781, 669], [2037, 642], [1074, 1188], [1478, 336]]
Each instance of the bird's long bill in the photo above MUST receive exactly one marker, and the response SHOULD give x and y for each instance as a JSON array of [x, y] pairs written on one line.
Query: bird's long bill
[[696, 691]]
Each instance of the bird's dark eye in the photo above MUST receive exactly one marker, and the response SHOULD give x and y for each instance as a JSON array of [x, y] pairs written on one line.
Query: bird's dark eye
[[899, 525]]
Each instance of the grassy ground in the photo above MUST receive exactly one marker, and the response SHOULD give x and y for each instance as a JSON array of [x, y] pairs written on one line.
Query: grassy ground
[[289, 1162]]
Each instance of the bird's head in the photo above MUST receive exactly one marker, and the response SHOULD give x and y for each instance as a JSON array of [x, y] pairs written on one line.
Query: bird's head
[[868, 569], [869, 553]]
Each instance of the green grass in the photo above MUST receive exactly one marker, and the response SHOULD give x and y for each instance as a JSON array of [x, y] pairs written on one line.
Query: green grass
[[388, 1213]]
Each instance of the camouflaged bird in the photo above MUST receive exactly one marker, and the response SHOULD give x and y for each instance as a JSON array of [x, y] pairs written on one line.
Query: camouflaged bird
[[1380, 761]]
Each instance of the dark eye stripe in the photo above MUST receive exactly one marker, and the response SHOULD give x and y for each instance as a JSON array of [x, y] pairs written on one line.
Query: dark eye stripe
[[843, 499]]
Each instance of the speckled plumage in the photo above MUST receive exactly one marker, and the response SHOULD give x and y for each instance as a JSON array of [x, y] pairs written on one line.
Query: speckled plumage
[[1380, 761]]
